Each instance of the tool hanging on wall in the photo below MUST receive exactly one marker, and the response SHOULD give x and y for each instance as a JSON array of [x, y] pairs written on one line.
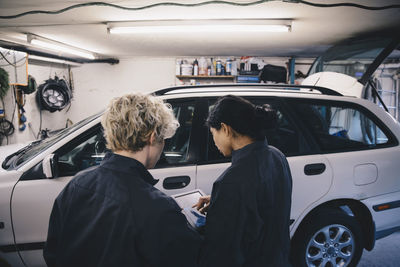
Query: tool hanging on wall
[[20, 99], [30, 87], [6, 127], [20, 87], [21, 91], [53, 95], [4, 83]]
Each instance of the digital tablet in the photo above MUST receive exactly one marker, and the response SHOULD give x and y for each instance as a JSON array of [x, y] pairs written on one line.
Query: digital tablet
[[185, 201]]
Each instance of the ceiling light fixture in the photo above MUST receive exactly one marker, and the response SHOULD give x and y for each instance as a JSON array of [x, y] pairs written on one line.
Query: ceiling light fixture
[[48, 44], [53, 60], [200, 26]]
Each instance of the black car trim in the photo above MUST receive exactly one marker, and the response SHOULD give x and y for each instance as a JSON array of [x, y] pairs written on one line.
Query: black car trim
[[202, 130], [22, 247], [290, 88], [391, 205], [34, 173], [198, 129], [384, 233]]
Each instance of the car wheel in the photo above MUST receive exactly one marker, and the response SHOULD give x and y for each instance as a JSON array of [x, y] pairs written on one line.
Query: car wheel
[[331, 238]]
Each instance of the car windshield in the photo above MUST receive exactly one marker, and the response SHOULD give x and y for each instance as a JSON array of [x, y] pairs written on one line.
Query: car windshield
[[350, 58], [27, 153]]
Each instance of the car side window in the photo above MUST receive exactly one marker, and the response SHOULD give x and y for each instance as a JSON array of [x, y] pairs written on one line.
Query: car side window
[[286, 137], [341, 127], [176, 149], [87, 151]]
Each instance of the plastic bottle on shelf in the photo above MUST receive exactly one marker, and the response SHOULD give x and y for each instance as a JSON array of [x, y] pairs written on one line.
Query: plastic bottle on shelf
[[195, 67], [202, 66], [186, 68], [218, 67], [213, 67], [178, 68], [234, 67], [228, 68]]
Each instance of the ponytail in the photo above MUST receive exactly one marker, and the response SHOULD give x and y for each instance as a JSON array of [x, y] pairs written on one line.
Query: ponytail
[[244, 117]]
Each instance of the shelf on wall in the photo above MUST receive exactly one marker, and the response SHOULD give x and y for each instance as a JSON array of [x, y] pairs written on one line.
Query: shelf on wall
[[205, 77]]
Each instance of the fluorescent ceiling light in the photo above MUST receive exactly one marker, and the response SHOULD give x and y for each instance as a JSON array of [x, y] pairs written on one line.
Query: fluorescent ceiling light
[[63, 49], [200, 26], [54, 60], [58, 47], [199, 29]]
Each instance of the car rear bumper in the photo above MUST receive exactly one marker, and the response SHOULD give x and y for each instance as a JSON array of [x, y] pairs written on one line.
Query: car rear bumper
[[385, 211]]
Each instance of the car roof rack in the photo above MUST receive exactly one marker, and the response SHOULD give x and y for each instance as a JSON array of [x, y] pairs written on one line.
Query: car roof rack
[[289, 88]]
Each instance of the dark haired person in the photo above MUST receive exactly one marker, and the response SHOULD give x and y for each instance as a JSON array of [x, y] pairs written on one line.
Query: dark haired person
[[248, 211]]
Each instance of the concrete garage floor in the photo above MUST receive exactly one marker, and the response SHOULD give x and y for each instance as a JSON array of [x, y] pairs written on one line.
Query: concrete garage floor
[[385, 254]]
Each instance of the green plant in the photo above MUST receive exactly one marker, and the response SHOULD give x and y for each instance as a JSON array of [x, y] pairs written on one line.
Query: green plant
[[4, 83]]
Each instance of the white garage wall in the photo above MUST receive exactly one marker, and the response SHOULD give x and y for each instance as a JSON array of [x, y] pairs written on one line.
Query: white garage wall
[[50, 120], [95, 85]]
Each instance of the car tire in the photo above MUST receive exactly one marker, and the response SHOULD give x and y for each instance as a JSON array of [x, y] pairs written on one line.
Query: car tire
[[330, 238]]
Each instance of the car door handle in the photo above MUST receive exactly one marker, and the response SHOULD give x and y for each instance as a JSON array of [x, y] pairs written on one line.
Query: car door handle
[[314, 169], [176, 182]]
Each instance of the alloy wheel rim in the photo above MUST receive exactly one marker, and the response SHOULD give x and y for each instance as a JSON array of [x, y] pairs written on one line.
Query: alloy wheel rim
[[331, 246]]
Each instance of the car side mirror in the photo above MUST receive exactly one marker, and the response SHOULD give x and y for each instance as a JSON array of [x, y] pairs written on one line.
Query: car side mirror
[[49, 164]]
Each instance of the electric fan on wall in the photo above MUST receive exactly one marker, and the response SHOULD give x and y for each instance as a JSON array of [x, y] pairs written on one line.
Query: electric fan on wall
[[54, 94]]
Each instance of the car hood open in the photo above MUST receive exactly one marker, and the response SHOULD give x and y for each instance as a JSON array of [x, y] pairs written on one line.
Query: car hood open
[[357, 57]]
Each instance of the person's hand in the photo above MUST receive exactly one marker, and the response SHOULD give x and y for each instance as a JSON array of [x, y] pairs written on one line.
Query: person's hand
[[203, 204]]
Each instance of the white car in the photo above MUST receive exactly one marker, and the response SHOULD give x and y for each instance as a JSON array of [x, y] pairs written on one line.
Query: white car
[[343, 153]]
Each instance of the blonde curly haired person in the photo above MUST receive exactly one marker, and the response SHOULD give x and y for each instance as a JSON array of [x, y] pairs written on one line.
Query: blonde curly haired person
[[136, 125], [113, 215]]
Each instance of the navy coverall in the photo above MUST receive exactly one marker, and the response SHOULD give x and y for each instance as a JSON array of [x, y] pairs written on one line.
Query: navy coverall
[[113, 216], [248, 218]]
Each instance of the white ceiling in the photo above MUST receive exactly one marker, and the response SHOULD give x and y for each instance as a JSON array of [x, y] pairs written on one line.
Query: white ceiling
[[313, 28]]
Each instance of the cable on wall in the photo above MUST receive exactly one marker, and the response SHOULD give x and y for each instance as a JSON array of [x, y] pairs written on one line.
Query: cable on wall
[[4, 83], [132, 8], [6, 127], [349, 5], [346, 4], [10, 63]]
